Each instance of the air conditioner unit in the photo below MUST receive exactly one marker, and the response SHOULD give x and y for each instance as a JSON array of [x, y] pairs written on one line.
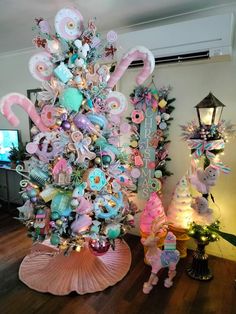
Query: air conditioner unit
[[208, 37]]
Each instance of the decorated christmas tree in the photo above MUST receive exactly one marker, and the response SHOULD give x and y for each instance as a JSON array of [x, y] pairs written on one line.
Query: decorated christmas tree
[[75, 192], [180, 214]]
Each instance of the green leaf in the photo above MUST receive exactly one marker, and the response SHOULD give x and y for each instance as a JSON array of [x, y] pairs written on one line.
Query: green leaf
[[229, 237]]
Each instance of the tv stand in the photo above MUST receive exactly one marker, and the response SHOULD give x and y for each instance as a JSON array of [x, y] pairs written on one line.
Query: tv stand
[[10, 186]]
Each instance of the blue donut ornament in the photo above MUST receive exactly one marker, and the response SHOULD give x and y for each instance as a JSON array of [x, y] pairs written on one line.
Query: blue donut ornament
[[102, 203], [96, 179]]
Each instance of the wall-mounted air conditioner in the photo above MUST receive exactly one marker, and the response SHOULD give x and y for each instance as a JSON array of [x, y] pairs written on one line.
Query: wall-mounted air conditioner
[[208, 37]]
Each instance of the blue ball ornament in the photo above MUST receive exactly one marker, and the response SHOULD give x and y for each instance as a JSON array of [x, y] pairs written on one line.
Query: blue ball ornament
[[32, 193], [55, 215], [55, 239]]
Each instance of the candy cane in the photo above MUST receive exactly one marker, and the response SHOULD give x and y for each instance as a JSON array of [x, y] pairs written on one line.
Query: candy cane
[[14, 98], [135, 53]]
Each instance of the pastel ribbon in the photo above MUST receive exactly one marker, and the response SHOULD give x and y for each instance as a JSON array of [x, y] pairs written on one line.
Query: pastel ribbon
[[202, 147]]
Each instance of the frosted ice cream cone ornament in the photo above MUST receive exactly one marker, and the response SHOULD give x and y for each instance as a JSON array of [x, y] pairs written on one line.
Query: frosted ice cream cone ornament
[[152, 210], [153, 214], [180, 214]]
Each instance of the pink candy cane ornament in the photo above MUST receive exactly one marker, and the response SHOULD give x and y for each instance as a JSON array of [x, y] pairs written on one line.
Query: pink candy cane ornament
[[136, 53], [18, 99]]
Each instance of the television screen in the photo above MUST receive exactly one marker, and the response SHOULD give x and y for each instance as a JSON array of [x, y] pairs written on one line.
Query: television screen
[[8, 138]]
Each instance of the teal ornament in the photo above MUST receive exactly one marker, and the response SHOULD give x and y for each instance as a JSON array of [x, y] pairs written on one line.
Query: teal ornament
[[73, 57], [94, 229], [113, 231], [90, 103], [158, 174], [97, 119], [55, 215], [71, 99], [106, 160], [63, 73], [61, 204], [55, 239], [38, 176], [97, 179], [101, 143], [32, 193], [112, 148]]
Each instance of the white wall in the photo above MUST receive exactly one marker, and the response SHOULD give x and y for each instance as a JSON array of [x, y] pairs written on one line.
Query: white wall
[[15, 77]]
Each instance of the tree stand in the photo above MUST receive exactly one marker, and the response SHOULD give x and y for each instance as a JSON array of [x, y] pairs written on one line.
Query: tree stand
[[46, 269], [199, 269]]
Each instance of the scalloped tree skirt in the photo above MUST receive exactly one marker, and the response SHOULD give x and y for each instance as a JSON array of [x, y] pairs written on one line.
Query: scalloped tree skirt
[[47, 270]]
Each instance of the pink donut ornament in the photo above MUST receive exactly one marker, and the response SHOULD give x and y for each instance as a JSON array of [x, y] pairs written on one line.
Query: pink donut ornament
[[18, 99], [41, 66], [48, 115], [116, 102], [136, 53], [69, 23], [137, 116]]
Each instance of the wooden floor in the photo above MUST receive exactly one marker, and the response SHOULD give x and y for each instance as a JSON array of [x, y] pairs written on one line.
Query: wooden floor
[[186, 296]]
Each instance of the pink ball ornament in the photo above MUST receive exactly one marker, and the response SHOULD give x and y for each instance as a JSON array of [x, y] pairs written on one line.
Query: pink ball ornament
[[135, 173], [99, 247]]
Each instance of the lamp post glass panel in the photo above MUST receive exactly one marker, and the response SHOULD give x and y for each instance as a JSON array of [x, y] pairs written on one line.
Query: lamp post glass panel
[[209, 111]]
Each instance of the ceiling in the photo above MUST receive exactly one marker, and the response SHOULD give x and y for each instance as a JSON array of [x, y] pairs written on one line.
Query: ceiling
[[16, 16]]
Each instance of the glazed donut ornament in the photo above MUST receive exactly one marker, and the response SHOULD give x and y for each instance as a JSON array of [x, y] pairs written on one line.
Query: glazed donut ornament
[[41, 67], [136, 53], [18, 99], [69, 23]]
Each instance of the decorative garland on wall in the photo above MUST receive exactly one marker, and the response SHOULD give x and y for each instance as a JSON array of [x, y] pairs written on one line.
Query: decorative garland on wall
[[150, 121]]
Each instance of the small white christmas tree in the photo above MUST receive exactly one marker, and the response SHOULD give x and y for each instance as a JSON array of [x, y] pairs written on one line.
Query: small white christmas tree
[[180, 212]]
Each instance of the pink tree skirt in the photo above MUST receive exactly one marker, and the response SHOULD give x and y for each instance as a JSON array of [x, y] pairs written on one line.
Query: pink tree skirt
[[47, 270]]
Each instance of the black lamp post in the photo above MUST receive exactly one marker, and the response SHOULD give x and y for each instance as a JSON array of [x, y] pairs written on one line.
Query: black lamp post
[[209, 111]]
